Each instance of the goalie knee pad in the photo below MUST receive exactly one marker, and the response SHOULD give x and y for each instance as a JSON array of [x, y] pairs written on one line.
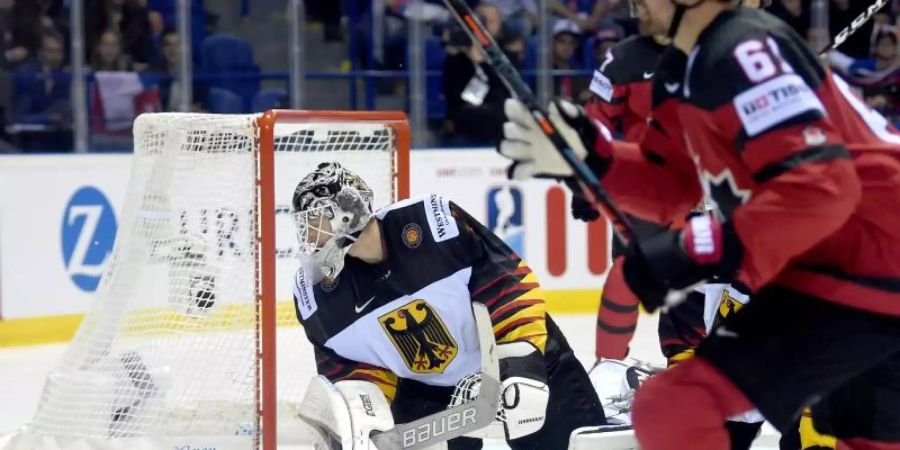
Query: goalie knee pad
[[347, 411]]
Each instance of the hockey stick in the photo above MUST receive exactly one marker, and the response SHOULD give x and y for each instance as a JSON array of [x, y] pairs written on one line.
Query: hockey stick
[[855, 25], [587, 182], [458, 420]]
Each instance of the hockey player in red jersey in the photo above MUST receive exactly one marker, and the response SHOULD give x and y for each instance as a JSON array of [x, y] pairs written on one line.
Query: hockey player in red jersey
[[622, 101], [622, 86], [807, 180]]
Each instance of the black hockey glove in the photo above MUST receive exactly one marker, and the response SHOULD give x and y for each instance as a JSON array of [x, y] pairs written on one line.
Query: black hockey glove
[[583, 210], [676, 260]]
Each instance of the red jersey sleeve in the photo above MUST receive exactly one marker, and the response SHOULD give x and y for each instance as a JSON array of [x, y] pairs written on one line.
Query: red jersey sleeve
[[657, 180], [610, 101], [774, 146], [658, 186]]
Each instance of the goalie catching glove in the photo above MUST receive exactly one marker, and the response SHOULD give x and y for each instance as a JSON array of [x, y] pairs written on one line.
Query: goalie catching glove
[[535, 156]]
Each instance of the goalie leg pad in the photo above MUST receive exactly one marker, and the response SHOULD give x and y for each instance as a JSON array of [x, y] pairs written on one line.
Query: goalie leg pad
[[324, 409], [607, 437], [369, 411], [346, 411]]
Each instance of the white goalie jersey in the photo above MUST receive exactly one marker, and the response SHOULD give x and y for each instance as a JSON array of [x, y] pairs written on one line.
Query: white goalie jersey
[[411, 316]]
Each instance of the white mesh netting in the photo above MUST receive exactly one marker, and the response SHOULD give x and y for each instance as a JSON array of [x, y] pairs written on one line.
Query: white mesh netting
[[167, 353]]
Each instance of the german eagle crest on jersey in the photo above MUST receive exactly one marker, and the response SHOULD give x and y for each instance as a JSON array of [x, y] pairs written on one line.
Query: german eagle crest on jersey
[[420, 336], [728, 305]]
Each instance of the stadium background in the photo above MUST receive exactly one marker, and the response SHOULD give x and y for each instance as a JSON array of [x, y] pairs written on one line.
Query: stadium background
[[60, 108]]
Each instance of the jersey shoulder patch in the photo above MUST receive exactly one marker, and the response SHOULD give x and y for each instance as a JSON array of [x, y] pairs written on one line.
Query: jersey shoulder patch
[[774, 102], [436, 211], [440, 219], [602, 86], [758, 65], [303, 294]]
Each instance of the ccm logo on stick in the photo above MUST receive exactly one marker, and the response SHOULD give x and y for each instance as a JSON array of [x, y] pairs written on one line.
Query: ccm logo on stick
[[858, 22]]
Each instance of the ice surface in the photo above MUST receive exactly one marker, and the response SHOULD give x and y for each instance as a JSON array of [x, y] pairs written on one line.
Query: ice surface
[[22, 370]]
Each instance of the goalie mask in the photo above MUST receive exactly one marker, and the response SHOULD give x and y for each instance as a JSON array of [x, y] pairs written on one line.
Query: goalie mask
[[332, 205]]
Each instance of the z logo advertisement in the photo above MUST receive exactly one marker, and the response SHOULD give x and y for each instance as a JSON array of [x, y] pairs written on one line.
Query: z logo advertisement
[[88, 234]]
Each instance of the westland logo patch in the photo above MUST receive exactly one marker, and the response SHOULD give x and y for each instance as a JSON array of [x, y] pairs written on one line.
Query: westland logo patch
[[440, 219], [505, 217], [420, 336], [303, 295], [601, 86], [412, 235], [88, 234]]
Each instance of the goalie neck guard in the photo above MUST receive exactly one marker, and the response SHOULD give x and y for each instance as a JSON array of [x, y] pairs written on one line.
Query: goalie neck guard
[[331, 205]]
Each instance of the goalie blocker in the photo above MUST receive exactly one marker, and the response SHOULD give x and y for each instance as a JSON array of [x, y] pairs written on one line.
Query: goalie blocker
[[387, 298]]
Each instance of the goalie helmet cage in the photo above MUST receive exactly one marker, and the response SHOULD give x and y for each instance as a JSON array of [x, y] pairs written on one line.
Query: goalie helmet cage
[[195, 309]]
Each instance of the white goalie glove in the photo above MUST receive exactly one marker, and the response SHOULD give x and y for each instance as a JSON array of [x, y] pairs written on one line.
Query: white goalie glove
[[523, 398], [532, 152], [524, 403]]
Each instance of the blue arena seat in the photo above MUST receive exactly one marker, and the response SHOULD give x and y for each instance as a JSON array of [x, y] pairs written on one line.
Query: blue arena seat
[[223, 54], [223, 101], [168, 10], [587, 48], [531, 52], [267, 99]]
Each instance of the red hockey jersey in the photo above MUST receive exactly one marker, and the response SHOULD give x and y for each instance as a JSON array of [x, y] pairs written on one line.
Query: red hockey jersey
[[809, 176], [657, 180], [622, 86]]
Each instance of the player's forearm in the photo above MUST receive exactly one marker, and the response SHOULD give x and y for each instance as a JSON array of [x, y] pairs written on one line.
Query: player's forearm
[[520, 315], [656, 192], [798, 210]]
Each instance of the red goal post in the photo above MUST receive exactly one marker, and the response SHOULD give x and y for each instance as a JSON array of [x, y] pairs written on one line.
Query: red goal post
[[265, 233], [186, 334]]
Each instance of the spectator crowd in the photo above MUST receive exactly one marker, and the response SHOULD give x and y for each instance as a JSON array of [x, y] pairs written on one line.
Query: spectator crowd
[[130, 47], [583, 31], [132, 52]]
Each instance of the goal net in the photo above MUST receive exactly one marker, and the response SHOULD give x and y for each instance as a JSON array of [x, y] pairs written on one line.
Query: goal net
[[179, 347]]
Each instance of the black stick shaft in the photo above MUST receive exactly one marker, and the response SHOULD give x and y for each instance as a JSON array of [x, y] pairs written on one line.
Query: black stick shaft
[[587, 183], [855, 25]]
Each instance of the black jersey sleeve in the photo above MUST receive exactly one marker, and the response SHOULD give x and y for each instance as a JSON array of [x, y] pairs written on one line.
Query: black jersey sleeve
[[504, 283], [499, 278]]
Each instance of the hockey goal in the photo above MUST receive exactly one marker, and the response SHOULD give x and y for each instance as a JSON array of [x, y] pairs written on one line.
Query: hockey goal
[[192, 340]]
